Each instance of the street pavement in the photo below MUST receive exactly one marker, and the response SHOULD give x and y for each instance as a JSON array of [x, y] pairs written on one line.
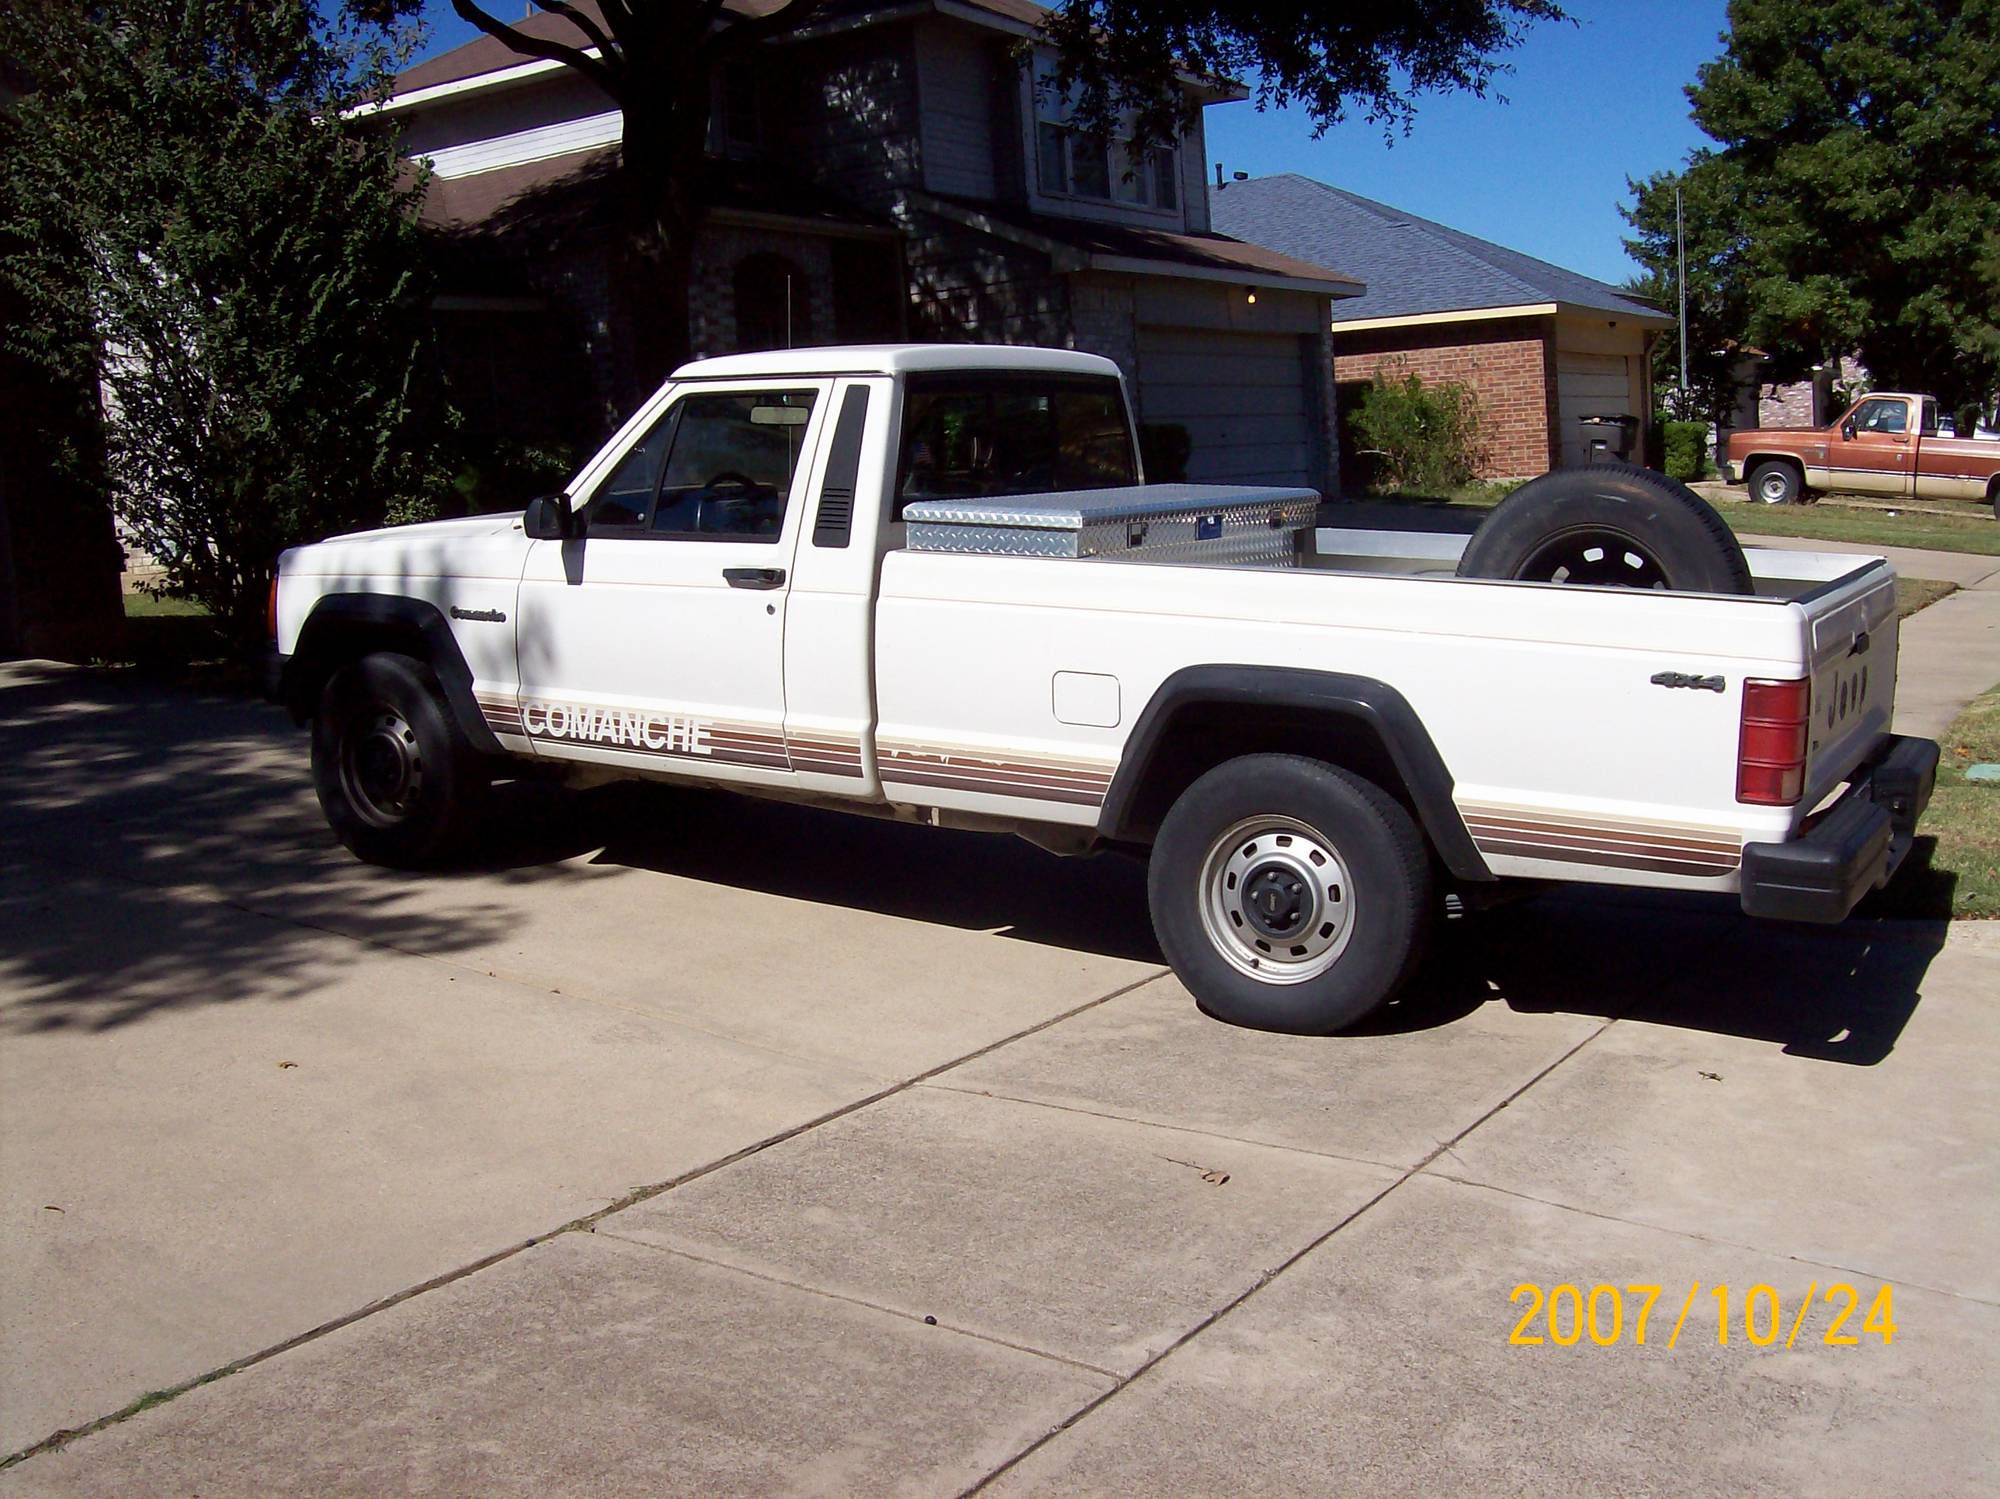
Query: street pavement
[[689, 1145]]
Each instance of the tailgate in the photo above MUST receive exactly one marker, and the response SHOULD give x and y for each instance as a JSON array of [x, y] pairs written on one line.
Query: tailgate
[[1851, 645]]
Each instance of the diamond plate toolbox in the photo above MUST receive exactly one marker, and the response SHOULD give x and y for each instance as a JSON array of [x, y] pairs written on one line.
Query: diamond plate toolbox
[[1209, 525]]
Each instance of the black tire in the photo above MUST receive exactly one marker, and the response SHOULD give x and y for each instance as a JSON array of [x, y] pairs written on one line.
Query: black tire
[[1608, 525], [1225, 840], [397, 779], [1776, 483]]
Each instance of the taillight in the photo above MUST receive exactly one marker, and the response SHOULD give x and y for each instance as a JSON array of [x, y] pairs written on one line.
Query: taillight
[[271, 610], [1771, 753]]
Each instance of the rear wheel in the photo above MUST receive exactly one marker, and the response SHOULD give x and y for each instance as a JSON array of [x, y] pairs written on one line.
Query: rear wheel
[[398, 781], [1776, 484], [1289, 895]]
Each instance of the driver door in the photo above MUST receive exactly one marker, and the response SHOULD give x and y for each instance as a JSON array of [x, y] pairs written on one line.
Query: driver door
[[1870, 450], [655, 639]]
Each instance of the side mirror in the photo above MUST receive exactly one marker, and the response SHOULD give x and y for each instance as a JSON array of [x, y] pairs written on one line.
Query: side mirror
[[549, 518], [1847, 429]]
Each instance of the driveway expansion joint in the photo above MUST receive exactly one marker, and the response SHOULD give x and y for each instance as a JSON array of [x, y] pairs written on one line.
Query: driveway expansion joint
[[863, 1302], [586, 1224], [1177, 1129], [1077, 1416]]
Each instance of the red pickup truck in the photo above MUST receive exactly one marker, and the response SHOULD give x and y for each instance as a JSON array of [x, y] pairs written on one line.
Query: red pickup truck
[[1887, 444]]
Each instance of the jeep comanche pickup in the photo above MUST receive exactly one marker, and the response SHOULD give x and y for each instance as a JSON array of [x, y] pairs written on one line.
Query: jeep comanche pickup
[[1887, 445], [928, 583]]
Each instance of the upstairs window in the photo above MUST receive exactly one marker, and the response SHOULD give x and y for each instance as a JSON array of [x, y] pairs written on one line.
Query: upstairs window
[[1073, 164]]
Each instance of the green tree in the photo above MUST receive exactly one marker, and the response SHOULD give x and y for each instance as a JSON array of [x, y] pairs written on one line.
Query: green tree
[[655, 60], [201, 227], [1852, 201]]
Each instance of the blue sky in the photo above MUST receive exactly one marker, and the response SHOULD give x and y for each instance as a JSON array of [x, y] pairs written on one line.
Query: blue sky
[[1587, 105]]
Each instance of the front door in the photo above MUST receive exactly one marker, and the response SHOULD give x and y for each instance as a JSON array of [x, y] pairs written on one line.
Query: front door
[[656, 639], [1870, 450]]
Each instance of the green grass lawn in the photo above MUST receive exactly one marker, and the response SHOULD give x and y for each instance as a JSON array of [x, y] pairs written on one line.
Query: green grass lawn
[[1972, 529], [1913, 594], [174, 637], [1955, 868], [145, 606], [1868, 526]]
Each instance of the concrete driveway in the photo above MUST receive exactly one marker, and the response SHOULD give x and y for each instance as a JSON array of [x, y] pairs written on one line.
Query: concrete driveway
[[699, 1146]]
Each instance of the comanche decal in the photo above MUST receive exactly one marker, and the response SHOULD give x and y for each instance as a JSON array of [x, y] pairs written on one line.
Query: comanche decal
[[1079, 782], [675, 736], [1659, 848]]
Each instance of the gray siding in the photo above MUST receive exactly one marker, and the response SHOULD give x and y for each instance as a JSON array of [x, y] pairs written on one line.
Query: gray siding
[[958, 108]]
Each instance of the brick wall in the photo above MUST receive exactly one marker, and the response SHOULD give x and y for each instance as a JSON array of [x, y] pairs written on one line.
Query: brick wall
[[1509, 365], [1808, 403], [719, 250]]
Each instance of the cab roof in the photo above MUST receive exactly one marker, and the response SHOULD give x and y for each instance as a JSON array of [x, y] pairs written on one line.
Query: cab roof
[[894, 359]]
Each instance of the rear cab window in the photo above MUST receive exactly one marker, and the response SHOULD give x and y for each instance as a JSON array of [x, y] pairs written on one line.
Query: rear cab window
[[974, 435]]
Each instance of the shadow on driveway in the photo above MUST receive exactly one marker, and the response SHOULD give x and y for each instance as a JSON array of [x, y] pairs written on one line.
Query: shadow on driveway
[[163, 850], [204, 805]]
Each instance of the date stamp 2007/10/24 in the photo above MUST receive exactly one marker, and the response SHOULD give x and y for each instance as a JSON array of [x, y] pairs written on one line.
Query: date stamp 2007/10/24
[[1606, 1315]]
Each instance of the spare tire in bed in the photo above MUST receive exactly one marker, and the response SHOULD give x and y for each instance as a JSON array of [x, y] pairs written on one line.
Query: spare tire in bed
[[1609, 525]]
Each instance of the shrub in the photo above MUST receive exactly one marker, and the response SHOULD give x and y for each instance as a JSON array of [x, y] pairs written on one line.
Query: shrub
[[1684, 450], [1428, 437]]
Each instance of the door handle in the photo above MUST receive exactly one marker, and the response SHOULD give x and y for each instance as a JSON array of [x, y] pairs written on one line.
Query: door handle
[[754, 577]]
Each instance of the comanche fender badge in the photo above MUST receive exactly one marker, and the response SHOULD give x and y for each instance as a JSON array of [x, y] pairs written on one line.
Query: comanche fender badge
[[484, 616], [1683, 679]]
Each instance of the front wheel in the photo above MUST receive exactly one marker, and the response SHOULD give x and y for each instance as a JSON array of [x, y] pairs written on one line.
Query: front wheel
[[398, 781], [1776, 484], [1289, 895]]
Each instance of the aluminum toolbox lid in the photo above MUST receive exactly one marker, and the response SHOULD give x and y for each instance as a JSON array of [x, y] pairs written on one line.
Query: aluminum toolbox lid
[[1074, 509]]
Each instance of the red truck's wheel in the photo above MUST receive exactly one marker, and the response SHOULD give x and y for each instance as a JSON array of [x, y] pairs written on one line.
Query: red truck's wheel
[[1776, 484], [1288, 894]]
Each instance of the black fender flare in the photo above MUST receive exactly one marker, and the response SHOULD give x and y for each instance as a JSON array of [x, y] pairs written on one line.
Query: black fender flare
[[341, 621], [1371, 704]]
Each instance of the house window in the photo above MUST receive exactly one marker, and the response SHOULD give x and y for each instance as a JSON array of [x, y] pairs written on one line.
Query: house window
[[739, 116], [1073, 164]]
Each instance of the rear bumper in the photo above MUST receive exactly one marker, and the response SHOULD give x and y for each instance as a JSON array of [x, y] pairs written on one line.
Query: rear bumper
[[1855, 846]]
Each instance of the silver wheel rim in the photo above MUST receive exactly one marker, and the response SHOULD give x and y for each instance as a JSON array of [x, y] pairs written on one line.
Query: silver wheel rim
[[1276, 900], [1772, 490]]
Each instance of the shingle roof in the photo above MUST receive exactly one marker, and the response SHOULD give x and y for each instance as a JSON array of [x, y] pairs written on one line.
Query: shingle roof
[[1209, 255], [1411, 265], [485, 54]]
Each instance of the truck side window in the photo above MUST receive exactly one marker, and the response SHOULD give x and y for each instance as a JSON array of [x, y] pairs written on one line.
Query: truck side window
[[715, 465], [972, 436], [1882, 416]]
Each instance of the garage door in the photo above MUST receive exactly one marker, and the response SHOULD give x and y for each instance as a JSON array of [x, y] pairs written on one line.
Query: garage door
[[1243, 397], [1589, 385]]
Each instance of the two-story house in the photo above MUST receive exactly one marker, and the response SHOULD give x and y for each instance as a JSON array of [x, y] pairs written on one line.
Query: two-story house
[[894, 171]]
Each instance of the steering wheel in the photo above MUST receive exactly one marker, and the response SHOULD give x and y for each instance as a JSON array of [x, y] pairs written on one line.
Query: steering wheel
[[724, 503]]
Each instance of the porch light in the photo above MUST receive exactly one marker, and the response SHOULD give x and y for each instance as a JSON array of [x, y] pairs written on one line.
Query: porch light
[[1250, 297]]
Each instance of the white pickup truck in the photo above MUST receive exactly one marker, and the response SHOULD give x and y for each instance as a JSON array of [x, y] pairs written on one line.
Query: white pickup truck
[[928, 583]]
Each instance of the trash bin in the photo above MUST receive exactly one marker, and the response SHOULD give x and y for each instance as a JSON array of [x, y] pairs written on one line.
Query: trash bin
[[1608, 437]]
